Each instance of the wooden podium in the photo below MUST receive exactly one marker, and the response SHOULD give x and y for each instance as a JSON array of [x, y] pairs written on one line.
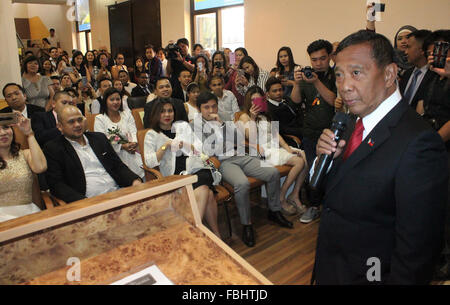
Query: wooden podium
[[116, 234]]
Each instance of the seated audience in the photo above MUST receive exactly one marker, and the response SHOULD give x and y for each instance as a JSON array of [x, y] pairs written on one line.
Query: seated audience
[[125, 79], [120, 129], [228, 105], [76, 99], [38, 88], [83, 164], [180, 92], [47, 68], [193, 91], [79, 68], [56, 83], [90, 62], [44, 123], [143, 87], [16, 171], [253, 75], [66, 81], [259, 131], [117, 84], [103, 65], [165, 146], [86, 95], [15, 97], [103, 85], [53, 51], [138, 68], [235, 167], [164, 91]]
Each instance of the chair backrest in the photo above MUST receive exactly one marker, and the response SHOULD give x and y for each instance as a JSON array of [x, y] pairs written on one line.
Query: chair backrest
[[90, 121], [136, 102], [138, 115], [140, 138]]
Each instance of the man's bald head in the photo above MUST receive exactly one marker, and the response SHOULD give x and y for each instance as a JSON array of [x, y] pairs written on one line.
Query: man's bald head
[[71, 122]]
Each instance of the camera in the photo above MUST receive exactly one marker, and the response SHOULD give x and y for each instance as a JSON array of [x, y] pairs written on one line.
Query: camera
[[379, 7], [171, 50], [308, 71], [218, 64]]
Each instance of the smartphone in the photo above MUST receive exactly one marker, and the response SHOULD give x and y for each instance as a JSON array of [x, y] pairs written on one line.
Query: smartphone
[[200, 66], [241, 72], [261, 102], [68, 70], [379, 7], [232, 59], [9, 118], [84, 81], [440, 52]]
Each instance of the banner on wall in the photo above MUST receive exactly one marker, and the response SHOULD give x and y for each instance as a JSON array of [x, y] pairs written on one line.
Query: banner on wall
[[206, 4]]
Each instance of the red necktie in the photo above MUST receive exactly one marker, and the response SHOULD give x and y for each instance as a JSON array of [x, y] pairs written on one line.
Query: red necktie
[[355, 139]]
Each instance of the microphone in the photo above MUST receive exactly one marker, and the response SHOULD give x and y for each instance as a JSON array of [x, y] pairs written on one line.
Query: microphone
[[338, 126]]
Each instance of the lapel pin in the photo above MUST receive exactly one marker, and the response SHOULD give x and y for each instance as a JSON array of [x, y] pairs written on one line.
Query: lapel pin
[[371, 143]]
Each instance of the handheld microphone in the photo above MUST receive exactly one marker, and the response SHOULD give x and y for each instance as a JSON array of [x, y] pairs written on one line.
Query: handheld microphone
[[338, 127]]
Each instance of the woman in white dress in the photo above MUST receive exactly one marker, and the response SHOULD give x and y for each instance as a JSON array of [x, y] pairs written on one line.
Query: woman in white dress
[[193, 91], [167, 145], [119, 127], [275, 150]]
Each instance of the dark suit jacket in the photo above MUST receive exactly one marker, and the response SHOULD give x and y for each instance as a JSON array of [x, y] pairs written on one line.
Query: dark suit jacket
[[44, 127], [180, 111], [138, 91], [31, 109], [423, 88], [387, 201], [65, 173], [289, 116], [179, 94]]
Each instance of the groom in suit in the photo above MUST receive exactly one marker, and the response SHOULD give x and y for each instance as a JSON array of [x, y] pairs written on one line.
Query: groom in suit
[[83, 164], [386, 189]]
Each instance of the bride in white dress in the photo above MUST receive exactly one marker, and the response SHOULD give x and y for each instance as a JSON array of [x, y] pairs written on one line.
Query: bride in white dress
[[274, 150], [119, 127]]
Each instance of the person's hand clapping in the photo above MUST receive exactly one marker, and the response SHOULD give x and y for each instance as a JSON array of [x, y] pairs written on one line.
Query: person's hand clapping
[[327, 145]]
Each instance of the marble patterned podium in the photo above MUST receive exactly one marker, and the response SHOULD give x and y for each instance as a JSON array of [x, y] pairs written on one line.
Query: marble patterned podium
[[116, 234]]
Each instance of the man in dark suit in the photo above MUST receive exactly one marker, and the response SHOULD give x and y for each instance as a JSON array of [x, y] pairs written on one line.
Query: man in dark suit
[[16, 99], [44, 123], [83, 165], [180, 91], [386, 190], [164, 91], [142, 88], [284, 110], [415, 82]]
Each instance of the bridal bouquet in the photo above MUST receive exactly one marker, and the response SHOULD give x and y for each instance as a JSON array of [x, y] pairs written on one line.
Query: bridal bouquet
[[115, 137]]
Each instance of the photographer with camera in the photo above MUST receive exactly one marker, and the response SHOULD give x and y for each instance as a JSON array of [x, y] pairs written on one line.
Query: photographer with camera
[[315, 87], [179, 59]]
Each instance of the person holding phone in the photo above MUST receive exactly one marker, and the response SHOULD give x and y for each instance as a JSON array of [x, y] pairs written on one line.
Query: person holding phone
[[104, 68], [220, 66], [17, 168], [238, 54], [286, 65], [79, 68], [201, 72], [259, 119], [253, 75]]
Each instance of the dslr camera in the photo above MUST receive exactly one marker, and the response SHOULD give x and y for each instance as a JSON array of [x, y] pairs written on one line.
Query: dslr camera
[[308, 71], [218, 64], [171, 50]]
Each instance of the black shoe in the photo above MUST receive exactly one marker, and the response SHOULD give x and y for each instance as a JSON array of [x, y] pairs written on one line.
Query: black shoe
[[279, 219], [248, 236]]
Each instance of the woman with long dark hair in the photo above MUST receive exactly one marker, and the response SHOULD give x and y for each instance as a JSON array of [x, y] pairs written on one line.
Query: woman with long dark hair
[[286, 65], [239, 54], [253, 75], [166, 145], [258, 122], [201, 72], [16, 171], [79, 67]]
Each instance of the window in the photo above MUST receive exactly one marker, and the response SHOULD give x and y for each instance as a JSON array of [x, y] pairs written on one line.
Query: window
[[213, 17], [83, 25]]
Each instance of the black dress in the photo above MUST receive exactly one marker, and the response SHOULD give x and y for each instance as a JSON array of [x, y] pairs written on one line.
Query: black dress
[[204, 176]]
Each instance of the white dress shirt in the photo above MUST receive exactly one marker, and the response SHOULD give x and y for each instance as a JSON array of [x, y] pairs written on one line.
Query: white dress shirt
[[98, 181], [129, 87], [371, 120], [228, 106]]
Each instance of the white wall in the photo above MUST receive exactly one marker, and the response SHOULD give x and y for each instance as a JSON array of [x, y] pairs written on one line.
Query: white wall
[[270, 24]]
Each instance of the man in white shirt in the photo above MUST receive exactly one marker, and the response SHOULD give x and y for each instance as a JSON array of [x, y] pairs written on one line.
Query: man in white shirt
[[228, 104], [103, 85], [53, 39], [385, 193], [83, 164]]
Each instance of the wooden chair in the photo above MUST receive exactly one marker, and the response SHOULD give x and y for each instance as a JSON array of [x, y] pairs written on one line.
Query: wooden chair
[[223, 196], [138, 115], [3, 104], [136, 102], [90, 121]]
